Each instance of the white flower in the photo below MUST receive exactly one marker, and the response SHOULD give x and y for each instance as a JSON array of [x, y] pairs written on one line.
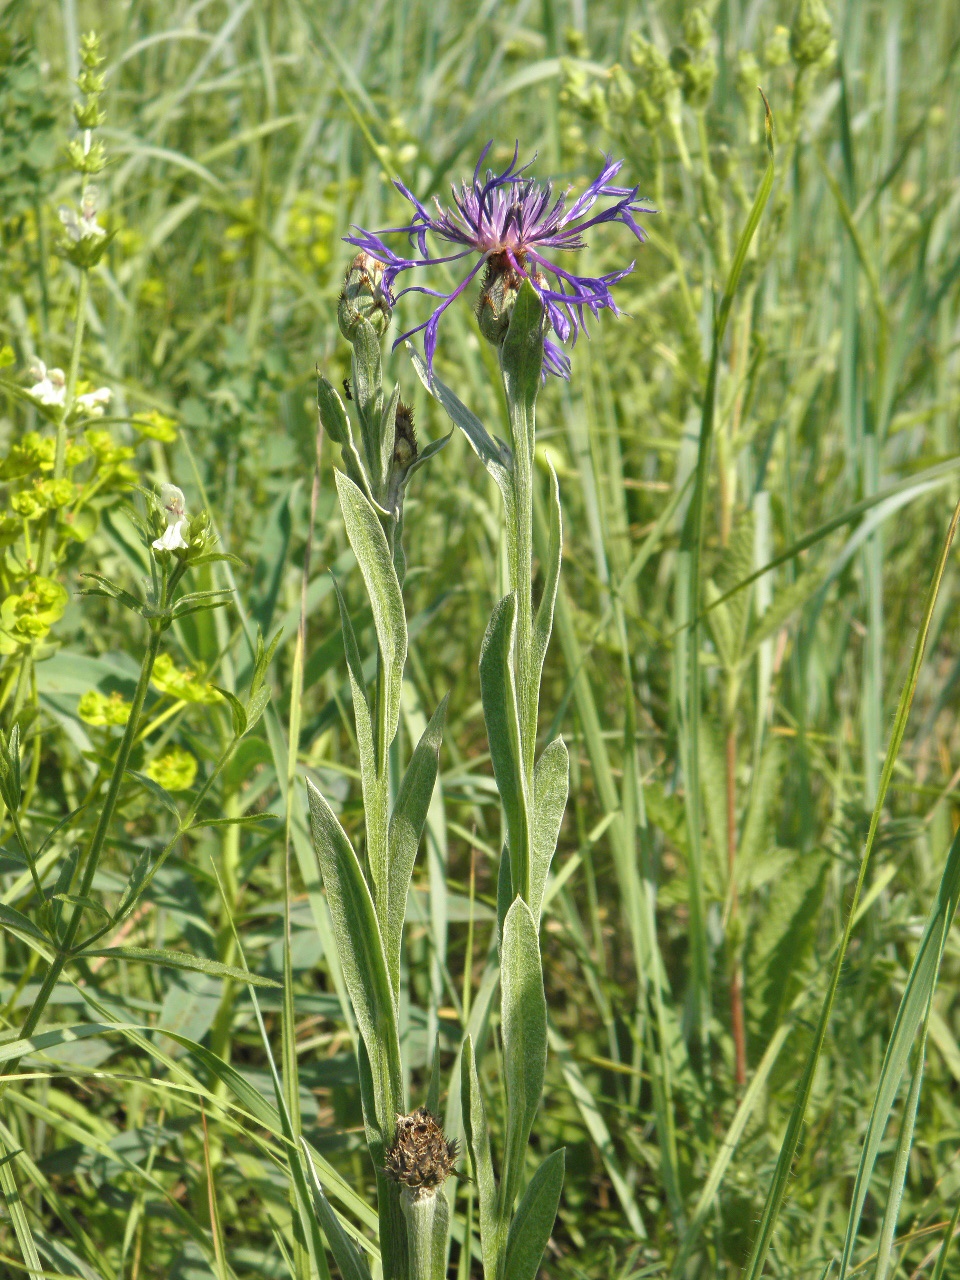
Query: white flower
[[172, 538], [93, 402], [51, 385], [174, 504], [85, 226]]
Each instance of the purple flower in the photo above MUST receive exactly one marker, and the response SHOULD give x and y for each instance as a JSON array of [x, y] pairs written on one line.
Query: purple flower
[[513, 222]]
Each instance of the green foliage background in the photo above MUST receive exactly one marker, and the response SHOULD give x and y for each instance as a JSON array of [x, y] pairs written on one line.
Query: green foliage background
[[244, 140]]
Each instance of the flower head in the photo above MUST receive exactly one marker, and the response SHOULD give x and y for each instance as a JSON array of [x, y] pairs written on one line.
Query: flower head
[[516, 226], [93, 403], [51, 385], [82, 226], [174, 505], [421, 1157]]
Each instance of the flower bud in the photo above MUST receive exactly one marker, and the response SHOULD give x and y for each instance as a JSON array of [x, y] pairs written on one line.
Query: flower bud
[[697, 76], [811, 35], [498, 293], [364, 298], [621, 91], [696, 29], [655, 77], [776, 52]]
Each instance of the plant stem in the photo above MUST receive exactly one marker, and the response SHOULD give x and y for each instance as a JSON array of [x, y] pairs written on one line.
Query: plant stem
[[94, 850]]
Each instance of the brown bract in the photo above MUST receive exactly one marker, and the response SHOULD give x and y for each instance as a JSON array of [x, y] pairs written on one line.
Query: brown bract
[[421, 1157]]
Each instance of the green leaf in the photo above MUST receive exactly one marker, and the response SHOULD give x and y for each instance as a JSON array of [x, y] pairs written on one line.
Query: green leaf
[[386, 600], [406, 828], [388, 437], [543, 624], [534, 1219], [183, 960], [524, 1023], [237, 709], [86, 904], [244, 820], [361, 954], [913, 1006], [367, 388], [333, 416], [375, 797], [10, 788], [499, 697], [551, 783], [160, 794], [477, 1136], [346, 1255], [17, 922], [494, 454], [521, 356]]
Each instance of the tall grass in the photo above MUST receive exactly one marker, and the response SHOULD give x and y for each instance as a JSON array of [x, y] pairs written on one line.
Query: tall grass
[[748, 956]]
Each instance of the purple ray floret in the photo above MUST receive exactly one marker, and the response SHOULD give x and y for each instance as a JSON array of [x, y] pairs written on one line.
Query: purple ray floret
[[516, 225]]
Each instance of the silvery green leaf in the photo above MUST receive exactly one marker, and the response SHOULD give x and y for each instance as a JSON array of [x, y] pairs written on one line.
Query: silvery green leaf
[[370, 546], [543, 624], [499, 697], [360, 950], [183, 960], [493, 453], [333, 416], [345, 1253], [524, 1029], [367, 388], [521, 356], [388, 437], [478, 1144], [505, 893], [406, 828], [428, 1226], [374, 794], [551, 783], [533, 1222]]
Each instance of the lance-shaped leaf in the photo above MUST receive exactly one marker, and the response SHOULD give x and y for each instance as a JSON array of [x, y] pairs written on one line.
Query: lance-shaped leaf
[[10, 769], [388, 440], [543, 624], [493, 453], [367, 388], [333, 418], [374, 794], [478, 1144], [499, 696], [524, 1023], [551, 782], [183, 960], [406, 828], [534, 1219], [369, 544], [360, 950], [346, 1255]]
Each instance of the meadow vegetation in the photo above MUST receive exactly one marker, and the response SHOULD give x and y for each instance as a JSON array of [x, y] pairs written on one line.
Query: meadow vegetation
[[748, 952]]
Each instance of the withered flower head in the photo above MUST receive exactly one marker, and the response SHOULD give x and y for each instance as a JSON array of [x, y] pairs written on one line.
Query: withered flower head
[[421, 1157]]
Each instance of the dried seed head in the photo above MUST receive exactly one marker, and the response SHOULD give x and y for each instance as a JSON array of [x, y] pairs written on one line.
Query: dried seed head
[[421, 1157]]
